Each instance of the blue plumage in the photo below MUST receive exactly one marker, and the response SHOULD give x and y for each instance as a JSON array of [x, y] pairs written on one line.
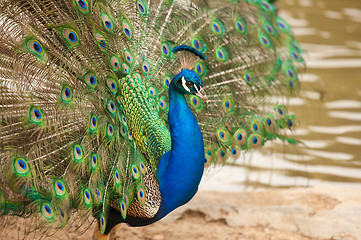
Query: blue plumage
[[180, 169]]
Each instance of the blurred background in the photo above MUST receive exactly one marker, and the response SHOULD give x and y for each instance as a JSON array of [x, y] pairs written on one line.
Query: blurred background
[[328, 107]]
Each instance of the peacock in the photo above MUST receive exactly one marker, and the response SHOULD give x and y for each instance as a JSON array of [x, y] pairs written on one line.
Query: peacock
[[111, 109]]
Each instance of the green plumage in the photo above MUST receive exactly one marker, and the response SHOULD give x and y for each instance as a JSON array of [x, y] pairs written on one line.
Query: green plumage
[[84, 98]]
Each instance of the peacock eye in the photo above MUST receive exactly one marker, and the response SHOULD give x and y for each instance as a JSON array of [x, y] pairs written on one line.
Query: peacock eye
[[189, 84]]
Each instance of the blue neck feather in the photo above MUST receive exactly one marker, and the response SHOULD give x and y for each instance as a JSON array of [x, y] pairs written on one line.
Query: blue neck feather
[[180, 170]]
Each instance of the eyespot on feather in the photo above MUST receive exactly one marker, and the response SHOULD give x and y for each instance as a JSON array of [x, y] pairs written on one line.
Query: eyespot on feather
[[221, 155], [163, 104], [282, 25], [87, 199], [240, 137], [93, 162], [112, 85], [290, 72], [208, 158], [36, 116], [91, 80], [196, 102], [142, 7], [125, 68], [128, 57], [257, 126], [110, 131], [228, 106], [146, 67], [249, 77], [135, 171], [124, 120], [268, 27], [152, 91], [166, 49], [269, 123], [66, 94], [47, 211], [221, 54], [21, 167], [82, 6], [71, 36], [281, 111], [268, 7], [114, 63], [234, 152], [78, 155], [127, 30], [201, 69], [218, 27], [254, 141], [123, 209], [166, 82], [107, 21], [198, 44], [291, 122], [265, 40], [141, 195], [93, 123], [240, 26], [117, 180], [297, 46], [126, 199], [111, 107], [142, 167], [124, 131], [35, 47], [59, 188], [295, 54], [102, 223], [292, 85], [98, 196], [101, 42], [63, 218], [223, 136]]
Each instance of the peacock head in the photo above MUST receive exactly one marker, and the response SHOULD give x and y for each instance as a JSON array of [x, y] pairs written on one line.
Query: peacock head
[[188, 82]]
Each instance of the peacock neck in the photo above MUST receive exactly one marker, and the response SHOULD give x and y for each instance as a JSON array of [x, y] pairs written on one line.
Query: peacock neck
[[180, 170]]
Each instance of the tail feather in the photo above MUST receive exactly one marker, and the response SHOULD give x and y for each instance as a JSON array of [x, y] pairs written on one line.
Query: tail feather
[[84, 103]]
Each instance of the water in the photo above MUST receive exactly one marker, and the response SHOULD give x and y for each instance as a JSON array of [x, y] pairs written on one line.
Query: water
[[329, 112]]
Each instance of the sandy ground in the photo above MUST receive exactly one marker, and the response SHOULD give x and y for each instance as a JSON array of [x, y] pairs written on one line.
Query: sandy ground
[[331, 213], [309, 213]]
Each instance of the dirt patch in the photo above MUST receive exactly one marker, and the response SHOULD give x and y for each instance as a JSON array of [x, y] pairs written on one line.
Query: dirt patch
[[318, 202], [196, 230]]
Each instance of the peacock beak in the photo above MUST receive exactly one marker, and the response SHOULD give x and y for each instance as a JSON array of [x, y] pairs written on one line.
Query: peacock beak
[[202, 94]]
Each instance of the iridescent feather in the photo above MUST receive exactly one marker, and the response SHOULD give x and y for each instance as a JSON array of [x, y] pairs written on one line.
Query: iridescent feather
[[84, 101]]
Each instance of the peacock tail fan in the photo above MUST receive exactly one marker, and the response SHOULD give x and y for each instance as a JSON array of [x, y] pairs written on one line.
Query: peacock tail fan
[[84, 98]]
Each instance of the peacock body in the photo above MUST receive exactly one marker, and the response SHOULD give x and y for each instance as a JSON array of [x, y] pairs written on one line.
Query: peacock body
[[103, 104]]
